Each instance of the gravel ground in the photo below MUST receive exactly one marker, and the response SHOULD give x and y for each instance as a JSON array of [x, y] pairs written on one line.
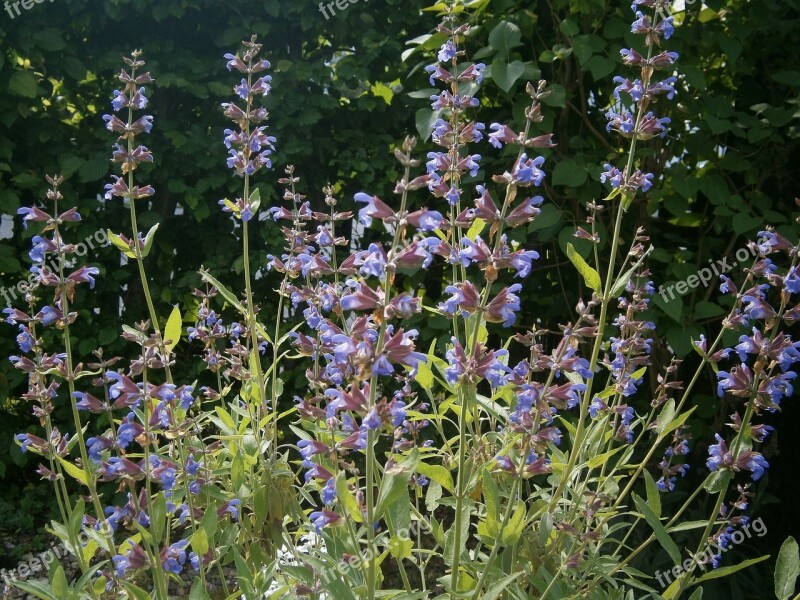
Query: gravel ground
[[70, 564]]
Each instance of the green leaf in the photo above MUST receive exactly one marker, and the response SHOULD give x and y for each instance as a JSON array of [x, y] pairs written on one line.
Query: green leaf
[[512, 532], [600, 459], [438, 474], [199, 541], [491, 497], [74, 471], [672, 306], [600, 67], [675, 423], [223, 291], [549, 216], [158, 516], [118, 243], [568, 27], [432, 496], [172, 331], [400, 547], [135, 592], [791, 78], [717, 481], [494, 591], [395, 483], [38, 589], [590, 276], [506, 74], [237, 471], [197, 592], [347, 499], [60, 586], [661, 534], [787, 569], [148, 240], [725, 571], [474, 231], [504, 37], [424, 120], [653, 495], [450, 548], [424, 376], [209, 523], [255, 200], [569, 172], [666, 416], [22, 83]]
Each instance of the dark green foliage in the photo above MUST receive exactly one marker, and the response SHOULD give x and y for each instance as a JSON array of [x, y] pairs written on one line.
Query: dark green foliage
[[342, 96]]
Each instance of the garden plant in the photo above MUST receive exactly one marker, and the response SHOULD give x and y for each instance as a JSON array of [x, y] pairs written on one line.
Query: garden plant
[[498, 462]]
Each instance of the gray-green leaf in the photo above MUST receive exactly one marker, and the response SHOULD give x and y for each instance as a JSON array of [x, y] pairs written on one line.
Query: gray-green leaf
[[787, 569]]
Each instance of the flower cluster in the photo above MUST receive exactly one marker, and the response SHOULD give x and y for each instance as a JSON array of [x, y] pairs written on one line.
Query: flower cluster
[[633, 120], [249, 146], [126, 153], [762, 375]]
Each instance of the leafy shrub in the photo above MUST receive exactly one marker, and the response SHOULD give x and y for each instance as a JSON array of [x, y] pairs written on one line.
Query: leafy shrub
[[519, 465]]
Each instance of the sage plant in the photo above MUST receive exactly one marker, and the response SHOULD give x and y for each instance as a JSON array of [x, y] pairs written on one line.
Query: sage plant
[[505, 460]]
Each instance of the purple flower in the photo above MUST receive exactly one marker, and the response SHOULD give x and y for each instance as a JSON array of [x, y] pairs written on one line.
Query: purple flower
[[328, 493], [612, 175], [174, 557], [372, 420], [323, 518], [522, 261], [25, 340], [425, 220], [309, 448], [719, 457], [231, 507], [371, 262], [133, 559], [527, 171], [447, 52], [504, 306], [753, 462], [398, 412], [792, 281], [128, 430], [48, 315], [375, 208]]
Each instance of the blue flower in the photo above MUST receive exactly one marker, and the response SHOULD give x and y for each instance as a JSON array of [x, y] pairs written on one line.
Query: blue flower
[[398, 412], [527, 171], [756, 464], [328, 493], [186, 399], [128, 431], [324, 517], [49, 315], [792, 281], [174, 557], [25, 340], [447, 52], [719, 457], [372, 420], [612, 175]]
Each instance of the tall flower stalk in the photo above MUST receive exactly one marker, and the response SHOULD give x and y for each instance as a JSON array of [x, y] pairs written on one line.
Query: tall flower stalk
[[379, 424], [249, 149]]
